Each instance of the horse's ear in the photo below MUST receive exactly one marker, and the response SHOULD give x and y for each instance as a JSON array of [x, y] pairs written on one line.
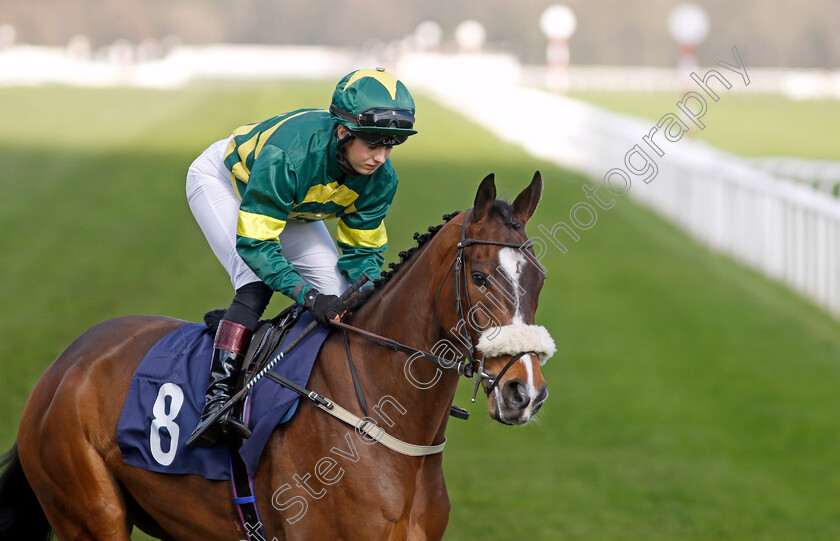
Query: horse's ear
[[485, 197], [526, 202]]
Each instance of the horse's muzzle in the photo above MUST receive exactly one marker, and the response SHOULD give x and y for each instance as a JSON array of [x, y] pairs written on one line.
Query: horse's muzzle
[[515, 403]]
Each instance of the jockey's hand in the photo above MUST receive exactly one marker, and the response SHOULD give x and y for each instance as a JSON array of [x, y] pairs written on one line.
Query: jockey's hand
[[323, 307]]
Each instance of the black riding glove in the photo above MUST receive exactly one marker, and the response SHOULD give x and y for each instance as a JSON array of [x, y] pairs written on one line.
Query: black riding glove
[[323, 307]]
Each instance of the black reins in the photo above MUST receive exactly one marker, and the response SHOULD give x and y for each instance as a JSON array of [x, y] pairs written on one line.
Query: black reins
[[463, 368]]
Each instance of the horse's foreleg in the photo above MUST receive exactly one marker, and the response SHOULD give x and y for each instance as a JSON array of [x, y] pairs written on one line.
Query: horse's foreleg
[[430, 508]]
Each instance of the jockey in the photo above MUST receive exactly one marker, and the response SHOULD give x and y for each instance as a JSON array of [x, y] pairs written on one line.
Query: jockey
[[260, 197]]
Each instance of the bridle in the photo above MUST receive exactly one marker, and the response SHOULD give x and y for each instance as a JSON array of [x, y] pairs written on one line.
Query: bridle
[[462, 280], [472, 368]]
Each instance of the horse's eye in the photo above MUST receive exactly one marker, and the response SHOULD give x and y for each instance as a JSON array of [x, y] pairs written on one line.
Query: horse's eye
[[479, 278]]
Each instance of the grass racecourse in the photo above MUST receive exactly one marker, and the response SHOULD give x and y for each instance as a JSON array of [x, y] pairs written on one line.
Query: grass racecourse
[[691, 399]]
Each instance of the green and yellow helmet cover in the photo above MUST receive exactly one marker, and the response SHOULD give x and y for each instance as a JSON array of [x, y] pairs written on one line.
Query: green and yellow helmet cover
[[365, 90]]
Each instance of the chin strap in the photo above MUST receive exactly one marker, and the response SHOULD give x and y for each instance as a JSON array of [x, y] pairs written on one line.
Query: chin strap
[[339, 154]]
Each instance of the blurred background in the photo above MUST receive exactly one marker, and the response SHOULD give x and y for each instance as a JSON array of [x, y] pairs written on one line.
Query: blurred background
[[782, 33], [695, 307]]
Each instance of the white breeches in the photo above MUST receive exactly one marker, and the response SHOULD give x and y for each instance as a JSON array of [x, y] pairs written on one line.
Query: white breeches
[[215, 205]]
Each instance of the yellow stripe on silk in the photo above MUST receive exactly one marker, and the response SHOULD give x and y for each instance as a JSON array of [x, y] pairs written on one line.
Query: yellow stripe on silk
[[267, 133], [385, 79], [244, 150], [239, 171], [241, 130], [366, 238], [254, 144], [311, 215], [332, 192], [259, 227]]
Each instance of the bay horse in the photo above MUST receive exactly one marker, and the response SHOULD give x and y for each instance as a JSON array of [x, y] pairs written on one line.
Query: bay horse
[[66, 472]]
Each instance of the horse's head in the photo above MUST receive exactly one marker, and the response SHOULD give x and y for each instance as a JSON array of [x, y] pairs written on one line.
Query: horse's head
[[496, 290]]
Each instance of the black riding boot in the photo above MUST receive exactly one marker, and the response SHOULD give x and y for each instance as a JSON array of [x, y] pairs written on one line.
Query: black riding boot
[[228, 353]]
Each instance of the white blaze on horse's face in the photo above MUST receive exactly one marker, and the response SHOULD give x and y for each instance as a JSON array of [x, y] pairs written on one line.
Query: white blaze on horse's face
[[537, 397], [522, 391], [511, 262]]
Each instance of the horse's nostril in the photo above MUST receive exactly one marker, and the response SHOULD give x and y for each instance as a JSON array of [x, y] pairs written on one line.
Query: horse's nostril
[[539, 400], [515, 395]]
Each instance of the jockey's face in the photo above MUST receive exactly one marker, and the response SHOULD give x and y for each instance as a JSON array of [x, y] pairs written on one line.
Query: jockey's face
[[363, 157]]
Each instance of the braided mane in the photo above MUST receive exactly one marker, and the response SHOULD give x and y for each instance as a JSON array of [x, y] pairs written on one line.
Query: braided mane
[[503, 208], [405, 255]]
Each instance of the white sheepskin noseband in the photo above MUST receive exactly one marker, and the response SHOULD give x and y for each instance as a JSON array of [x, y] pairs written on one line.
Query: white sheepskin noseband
[[513, 339]]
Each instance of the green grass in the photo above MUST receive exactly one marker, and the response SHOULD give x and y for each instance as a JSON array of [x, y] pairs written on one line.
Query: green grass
[[745, 124], [691, 399]]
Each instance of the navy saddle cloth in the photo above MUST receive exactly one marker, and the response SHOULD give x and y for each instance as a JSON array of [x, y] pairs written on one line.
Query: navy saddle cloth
[[166, 397]]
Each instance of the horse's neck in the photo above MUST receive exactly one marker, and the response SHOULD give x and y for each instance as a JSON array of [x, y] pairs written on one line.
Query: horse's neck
[[405, 311]]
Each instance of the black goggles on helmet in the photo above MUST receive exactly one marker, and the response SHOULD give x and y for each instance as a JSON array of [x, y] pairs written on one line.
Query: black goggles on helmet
[[378, 117]]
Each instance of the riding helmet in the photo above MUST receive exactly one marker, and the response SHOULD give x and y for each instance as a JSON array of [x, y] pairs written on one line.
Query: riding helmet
[[375, 106]]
